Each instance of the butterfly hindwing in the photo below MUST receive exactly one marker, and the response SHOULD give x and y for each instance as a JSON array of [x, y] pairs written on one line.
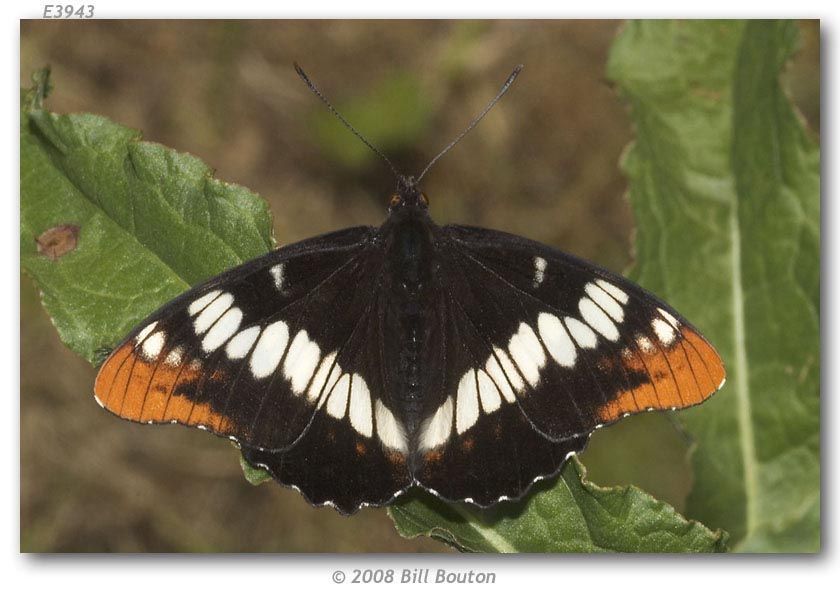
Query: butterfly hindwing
[[475, 443], [356, 450], [238, 354]]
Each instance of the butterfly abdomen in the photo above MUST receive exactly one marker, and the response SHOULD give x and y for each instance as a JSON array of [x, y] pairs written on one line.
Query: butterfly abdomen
[[410, 263]]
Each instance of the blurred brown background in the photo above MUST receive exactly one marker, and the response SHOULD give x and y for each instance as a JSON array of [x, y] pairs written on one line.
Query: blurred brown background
[[543, 164]]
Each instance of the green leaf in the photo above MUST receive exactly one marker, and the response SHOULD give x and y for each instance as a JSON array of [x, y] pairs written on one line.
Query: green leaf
[[151, 222], [254, 475], [725, 188], [571, 515]]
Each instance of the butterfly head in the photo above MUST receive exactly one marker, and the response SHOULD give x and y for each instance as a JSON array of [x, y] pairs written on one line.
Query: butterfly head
[[408, 197]]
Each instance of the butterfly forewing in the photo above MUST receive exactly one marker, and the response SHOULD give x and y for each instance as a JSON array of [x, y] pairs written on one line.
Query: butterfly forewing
[[583, 347], [237, 354]]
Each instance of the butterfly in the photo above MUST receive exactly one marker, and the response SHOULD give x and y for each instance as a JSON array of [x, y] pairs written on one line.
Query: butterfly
[[358, 364]]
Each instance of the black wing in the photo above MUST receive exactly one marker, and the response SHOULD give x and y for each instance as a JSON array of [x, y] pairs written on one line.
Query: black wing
[[356, 451], [585, 346], [276, 355], [542, 348], [240, 354], [474, 443]]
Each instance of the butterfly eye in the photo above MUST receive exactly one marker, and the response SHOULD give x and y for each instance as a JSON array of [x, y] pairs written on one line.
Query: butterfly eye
[[424, 200], [395, 200]]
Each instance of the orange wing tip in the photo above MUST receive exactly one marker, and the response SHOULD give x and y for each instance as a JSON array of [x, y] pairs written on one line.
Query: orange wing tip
[[680, 374], [154, 391], [108, 375]]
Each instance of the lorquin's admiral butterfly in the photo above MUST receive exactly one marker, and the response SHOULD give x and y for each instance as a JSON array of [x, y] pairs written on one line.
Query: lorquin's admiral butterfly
[[357, 364]]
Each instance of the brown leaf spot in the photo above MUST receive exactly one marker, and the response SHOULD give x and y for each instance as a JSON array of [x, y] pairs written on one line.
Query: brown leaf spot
[[57, 241]]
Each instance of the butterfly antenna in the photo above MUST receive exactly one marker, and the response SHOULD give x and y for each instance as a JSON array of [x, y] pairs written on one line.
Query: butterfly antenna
[[509, 82], [346, 123]]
